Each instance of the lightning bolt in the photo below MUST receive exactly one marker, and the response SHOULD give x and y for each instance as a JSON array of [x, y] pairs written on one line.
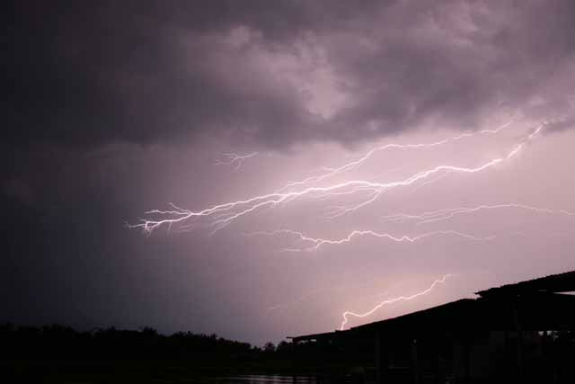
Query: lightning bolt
[[448, 213], [221, 215], [320, 242], [330, 172], [224, 214], [313, 293], [235, 160], [348, 314]]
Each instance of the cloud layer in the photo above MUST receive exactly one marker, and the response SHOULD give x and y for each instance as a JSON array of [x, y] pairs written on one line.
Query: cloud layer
[[280, 73]]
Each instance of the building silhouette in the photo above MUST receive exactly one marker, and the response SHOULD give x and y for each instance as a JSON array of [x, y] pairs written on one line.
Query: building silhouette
[[516, 333]]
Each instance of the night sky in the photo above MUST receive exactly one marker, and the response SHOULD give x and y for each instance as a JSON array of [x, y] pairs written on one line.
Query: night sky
[[256, 169]]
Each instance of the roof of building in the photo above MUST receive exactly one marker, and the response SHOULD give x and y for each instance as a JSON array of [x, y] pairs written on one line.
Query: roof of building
[[561, 282], [535, 302]]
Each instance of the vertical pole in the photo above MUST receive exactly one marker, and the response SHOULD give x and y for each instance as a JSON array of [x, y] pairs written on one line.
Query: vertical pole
[[467, 356], [378, 359], [415, 361], [519, 349]]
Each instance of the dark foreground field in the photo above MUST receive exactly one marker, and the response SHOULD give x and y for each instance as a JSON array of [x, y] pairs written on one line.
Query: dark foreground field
[[58, 354]]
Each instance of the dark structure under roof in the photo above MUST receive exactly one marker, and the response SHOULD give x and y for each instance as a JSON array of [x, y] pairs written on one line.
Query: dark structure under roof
[[503, 335]]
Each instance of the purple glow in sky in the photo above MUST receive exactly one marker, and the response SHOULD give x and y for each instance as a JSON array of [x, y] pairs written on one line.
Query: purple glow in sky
[[293, 165]]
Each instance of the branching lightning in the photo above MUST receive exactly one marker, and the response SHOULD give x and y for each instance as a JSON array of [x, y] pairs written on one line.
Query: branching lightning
[[330, 172], [316, 243], [348, 314], [235, 160], [221, 215], [449, 213], [364, 192]]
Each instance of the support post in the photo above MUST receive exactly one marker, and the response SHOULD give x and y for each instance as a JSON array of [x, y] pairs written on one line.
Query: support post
[[415, 361], [378, 359]]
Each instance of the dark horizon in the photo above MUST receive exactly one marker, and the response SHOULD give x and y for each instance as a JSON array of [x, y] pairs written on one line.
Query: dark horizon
[[147, 329], [521, 332]]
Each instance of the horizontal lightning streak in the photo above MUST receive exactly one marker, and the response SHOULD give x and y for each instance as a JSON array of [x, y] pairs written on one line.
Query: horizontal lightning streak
[[448, 213], [235, 160], [230, 211], [319, 242], [347, 314], [330, 172]]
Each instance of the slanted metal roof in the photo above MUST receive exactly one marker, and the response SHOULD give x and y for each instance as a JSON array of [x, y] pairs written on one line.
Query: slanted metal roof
[[562, 282], [535, 303]]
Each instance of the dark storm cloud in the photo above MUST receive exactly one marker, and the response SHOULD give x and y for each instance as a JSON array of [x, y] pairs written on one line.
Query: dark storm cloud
[[456, 62], [80, 73], [87, 73]]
